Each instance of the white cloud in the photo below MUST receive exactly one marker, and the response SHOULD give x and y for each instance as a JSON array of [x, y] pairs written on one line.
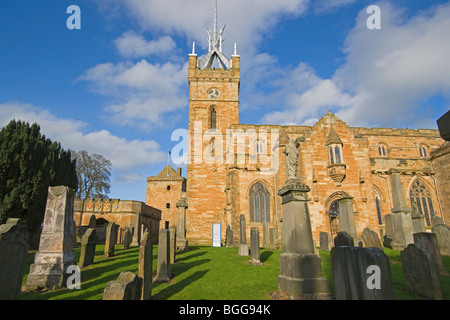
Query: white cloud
[[143, 95], [124, 154], [386, 76], [132, 45]]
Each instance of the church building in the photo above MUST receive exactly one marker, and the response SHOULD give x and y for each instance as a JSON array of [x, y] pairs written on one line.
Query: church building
[[237, 169]]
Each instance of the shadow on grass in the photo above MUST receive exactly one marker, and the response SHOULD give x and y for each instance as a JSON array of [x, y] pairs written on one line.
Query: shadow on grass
[[265, 256], [166, 293]]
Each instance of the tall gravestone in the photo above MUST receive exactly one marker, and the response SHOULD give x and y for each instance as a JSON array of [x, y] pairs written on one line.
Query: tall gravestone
[[13, 257], [173, 243], [243, 246], [137, 231], [254, 243], [111, 239], [361, 274], [347, 217], [400, 231], [229, 237], [420, 272], [146, 265], [163, 268], [127, 237], [88, 244], [325, 242], [182, 243], [55, 254], [300, 268]]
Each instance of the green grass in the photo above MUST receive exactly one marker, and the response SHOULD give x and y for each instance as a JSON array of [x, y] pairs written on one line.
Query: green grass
[[206, 273]]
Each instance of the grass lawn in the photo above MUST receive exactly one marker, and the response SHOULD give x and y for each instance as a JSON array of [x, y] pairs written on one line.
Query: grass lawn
[[205, 273]]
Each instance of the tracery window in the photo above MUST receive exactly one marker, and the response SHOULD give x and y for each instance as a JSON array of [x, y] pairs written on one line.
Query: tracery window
[[335, 154], [259, 203], [382, 150], [421, 198]]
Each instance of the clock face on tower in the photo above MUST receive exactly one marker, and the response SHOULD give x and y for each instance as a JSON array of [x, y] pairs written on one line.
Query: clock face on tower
[[213, 93]]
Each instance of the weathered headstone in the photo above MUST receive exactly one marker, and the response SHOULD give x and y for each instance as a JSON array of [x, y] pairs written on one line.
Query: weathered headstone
[[173, 243], [272, 238], [347, 217], [435, 220], [371, 239], [92, 222], [229, 237], [55, 254], [361, 274], [13, 257], [127, 237], [88, 244], [163, 268], [443, 237], [146, 265], [243, 246], [137, 231], [182, 243], [126, 287], [428, 241], [420, 272], [343, 239], [325, 242], [300, 268], [401, 227], [254, 243], [111, 239]]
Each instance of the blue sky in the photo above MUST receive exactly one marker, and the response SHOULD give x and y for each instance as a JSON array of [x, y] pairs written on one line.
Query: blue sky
[[118, 86]]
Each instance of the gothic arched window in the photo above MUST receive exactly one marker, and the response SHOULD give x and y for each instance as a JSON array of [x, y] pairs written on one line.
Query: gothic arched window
[[259, 203], [421, 198], [378, 205]]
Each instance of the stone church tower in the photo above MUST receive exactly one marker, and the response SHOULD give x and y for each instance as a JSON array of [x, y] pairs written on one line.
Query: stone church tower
[[213, 107]]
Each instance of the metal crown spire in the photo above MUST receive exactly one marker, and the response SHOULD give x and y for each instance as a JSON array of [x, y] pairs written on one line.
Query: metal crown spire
[[215, 48]]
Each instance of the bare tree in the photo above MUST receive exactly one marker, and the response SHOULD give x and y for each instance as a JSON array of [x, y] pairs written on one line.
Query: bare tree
[[93, 172]]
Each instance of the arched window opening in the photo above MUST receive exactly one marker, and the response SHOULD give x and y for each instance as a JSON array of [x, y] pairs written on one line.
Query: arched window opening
[[421, 199], [259, 203], [213, 119]]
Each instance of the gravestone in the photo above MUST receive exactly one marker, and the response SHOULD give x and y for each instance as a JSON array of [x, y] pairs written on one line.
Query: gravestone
[[13, 257], [361, 274], [74, 235], [371, 239], [146, 265], [243, 246], [254, 243], [173, 243], [182, 243], [343, 239], [163, 267], [420, 272], [400, 231], [418, 222], [55, 254], [111, 239], [300, 268], [435, 220], [272, 238], [443, 237], [92, 222], [428, 241], [136, 241], [347, 217], [127, 237], [88, 244], [325, 242], [126, 287], [229, 237]]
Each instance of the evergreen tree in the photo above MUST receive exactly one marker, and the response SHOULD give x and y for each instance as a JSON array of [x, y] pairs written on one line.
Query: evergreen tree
[[29, 164]]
